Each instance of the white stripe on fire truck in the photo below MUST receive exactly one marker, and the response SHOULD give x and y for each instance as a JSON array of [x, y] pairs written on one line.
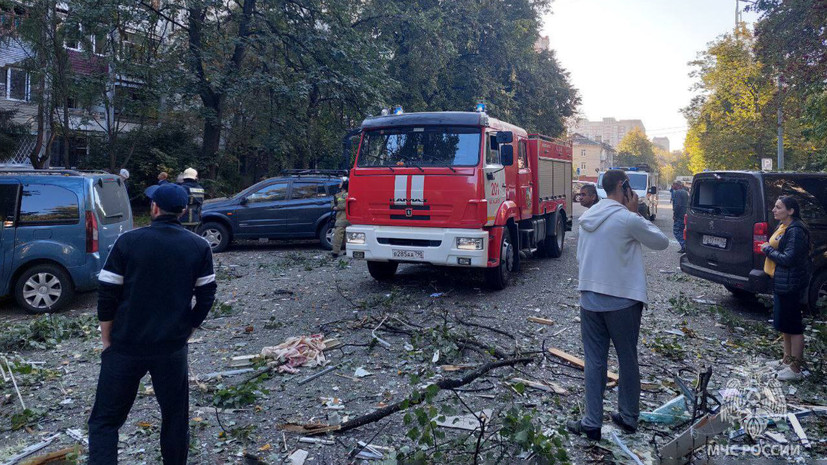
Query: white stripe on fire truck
[[417, 190], [400, 189]]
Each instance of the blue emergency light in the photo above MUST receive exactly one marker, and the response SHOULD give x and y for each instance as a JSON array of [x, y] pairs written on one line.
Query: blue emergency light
[[480, 108], [397, 110]]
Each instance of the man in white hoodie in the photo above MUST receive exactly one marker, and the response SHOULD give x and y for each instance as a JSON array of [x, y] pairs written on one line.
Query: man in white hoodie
[[612, 295]]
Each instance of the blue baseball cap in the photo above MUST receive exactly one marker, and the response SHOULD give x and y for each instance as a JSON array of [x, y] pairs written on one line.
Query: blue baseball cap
[[169, 197]]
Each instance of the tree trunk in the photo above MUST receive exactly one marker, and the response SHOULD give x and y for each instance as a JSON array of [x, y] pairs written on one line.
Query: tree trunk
[[212, 138]]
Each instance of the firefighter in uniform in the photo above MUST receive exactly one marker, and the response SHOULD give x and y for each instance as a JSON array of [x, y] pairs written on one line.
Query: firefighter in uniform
[[192, 218], [339, 201]]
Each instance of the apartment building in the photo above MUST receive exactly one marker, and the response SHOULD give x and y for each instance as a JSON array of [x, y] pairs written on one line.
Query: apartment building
[[609, 130], [89, 57], [590, 157]]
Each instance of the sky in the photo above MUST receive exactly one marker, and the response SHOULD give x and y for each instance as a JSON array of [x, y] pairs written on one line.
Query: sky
[[629, 58]]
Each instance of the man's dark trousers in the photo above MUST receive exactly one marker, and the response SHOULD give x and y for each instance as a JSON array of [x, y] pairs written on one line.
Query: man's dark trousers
[[678, 225], [118, 383], [621, 328]]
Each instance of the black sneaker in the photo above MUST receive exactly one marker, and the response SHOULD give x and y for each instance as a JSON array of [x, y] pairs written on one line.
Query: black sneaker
[[683, 250], [618, 420], [576, 427]]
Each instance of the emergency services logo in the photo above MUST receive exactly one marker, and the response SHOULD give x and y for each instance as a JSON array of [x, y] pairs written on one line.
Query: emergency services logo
[[753, 398]]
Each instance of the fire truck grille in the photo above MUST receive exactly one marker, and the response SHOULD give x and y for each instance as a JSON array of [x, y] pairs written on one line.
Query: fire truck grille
[[408, 242]]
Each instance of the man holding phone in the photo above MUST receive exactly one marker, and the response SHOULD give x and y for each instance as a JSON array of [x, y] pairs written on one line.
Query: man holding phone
[[612, 296]]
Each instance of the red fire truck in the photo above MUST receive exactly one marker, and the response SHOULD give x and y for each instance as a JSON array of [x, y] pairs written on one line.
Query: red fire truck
[[456, 189]]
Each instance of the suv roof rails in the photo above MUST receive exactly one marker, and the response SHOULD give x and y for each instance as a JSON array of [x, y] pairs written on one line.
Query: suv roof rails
[[314, 172], [53, 172], [50, 171]]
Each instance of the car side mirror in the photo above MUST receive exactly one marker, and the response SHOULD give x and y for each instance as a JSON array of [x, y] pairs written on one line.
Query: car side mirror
[[243, 201], [507, 155], [505, 137]]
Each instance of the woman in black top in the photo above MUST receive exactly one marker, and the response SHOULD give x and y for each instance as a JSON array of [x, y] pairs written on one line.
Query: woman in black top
[[790, 279]]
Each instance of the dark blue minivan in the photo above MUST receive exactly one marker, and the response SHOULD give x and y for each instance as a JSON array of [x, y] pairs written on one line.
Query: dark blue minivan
[[288, 207], [56, 232]]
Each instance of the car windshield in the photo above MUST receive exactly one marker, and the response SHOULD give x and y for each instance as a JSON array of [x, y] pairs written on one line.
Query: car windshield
[[420, 146], [636, 180]]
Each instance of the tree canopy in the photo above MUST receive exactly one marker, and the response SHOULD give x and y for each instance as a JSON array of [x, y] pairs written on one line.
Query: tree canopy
[[268, 85]]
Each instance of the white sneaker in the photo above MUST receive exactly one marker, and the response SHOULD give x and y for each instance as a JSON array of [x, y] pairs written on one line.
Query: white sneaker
[[776, 364], [787, 374]]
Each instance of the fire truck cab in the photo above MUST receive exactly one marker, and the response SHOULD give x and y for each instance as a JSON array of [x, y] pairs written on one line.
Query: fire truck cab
[[456, 189]]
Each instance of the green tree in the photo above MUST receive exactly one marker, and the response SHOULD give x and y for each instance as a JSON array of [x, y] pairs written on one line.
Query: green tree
[[450, 55], [790, 38], [732, 119], [635, 149]]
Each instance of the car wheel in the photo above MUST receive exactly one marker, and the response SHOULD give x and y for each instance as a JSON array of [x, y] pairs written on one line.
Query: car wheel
[[739, 294], [554, 243], [382, 271], [326, 235], [43, 289], [497, 278], [817, 298], [216, 234]]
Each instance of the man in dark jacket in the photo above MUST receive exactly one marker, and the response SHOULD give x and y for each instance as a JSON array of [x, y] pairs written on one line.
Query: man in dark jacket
[[146, 317], [196, 194], [680, 201]]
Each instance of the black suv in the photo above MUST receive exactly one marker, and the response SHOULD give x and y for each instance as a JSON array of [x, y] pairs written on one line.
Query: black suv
[[294, 206], [730, 215]]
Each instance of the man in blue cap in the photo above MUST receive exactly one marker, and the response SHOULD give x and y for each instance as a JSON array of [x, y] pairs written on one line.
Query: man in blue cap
[[146, 317]]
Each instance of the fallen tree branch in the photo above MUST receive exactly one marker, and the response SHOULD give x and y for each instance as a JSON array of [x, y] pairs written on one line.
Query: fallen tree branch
[[450, 383], [478, 325], [471, 343]]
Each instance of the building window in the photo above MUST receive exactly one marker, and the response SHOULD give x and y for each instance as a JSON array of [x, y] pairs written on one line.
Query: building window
[[583, 152], [99, 42], [17, 84], [583, 166], [73, 38]]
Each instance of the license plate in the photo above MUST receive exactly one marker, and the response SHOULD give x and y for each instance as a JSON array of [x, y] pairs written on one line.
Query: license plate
[[714, 241], [409, 254]]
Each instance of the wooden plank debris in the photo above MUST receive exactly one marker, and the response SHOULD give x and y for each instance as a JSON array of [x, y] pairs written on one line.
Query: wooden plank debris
[[579, 363], [549, 386], [542, 321], [52, 457], [799, 431], [461, 367]]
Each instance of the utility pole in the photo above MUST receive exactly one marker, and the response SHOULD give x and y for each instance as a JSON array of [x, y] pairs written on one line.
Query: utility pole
[[737, 12], [780, 129]]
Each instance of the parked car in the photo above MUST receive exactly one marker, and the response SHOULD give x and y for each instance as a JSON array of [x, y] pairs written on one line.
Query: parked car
[[57, 229], [294, 206], [730, 216]]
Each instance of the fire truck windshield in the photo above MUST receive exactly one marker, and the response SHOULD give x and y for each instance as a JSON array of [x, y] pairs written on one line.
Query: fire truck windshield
[[420, 147]]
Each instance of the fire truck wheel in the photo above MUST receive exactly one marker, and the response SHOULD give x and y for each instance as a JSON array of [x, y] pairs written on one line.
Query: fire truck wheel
[[554, 243], [497, 278], [382, 271]]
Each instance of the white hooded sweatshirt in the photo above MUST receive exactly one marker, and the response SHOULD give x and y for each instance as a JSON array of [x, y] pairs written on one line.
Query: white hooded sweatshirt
[[609, 251]]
